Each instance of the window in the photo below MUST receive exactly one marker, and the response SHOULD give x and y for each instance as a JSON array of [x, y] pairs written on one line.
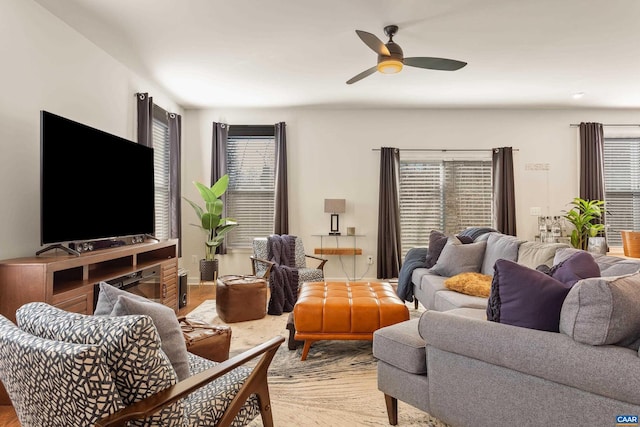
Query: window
[[447, 195], [161, 150], [250, 197], [622, 186]]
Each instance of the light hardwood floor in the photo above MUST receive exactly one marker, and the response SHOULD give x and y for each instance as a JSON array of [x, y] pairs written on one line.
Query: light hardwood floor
[[197, 294]]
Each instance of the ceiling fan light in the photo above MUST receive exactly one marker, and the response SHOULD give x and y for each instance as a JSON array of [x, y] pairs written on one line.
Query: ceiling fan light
[[389, 66]]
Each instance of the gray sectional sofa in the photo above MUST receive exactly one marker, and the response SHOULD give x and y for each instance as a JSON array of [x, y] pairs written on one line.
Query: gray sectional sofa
[[467, 371], [428, 283]]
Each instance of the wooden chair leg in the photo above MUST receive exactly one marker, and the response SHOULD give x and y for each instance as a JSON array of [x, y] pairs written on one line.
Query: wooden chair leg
[[265, 405], [392, 409], [305, 349]]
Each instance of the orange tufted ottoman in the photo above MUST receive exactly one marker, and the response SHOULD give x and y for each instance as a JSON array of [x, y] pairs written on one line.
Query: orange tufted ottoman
[[345, 311]]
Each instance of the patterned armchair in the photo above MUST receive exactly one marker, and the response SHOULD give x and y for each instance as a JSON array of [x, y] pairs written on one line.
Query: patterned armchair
[[261, 264], [68, 369]]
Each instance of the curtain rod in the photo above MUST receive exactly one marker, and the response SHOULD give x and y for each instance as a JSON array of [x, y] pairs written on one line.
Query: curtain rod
[[443, 149], [575, 125]]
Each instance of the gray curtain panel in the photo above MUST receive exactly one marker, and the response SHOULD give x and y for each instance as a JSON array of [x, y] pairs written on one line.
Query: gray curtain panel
[[219, 165], [281, 217], [504, 199], [175, 193], [591, 161], [389, 251], [145, 119]]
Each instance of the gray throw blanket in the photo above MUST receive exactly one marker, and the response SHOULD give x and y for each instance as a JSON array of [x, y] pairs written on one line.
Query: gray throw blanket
[[415, 258], [283, 280]]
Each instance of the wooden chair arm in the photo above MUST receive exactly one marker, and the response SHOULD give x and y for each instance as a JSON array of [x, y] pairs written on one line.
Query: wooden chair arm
[[255, 383], [322, 261], [269, 264]]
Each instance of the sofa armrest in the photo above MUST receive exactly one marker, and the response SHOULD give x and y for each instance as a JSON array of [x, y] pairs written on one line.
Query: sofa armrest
[[604, 370]]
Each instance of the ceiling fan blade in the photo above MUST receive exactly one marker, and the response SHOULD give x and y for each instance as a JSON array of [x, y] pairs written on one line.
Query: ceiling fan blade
[[362, 75], [434, 63], [373, 42]]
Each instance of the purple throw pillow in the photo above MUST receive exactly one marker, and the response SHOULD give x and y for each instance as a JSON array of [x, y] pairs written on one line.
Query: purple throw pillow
[[578, 266], [465, 239], [521, 296], [437, 240]]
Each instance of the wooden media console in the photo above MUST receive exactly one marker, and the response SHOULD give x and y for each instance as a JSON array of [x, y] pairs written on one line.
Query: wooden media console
[[69, 282]]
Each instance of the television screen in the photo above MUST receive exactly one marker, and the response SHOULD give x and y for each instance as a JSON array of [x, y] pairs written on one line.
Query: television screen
[[94, 185]]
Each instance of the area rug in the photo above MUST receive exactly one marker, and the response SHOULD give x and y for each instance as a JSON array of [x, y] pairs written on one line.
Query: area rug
[[336, 386]]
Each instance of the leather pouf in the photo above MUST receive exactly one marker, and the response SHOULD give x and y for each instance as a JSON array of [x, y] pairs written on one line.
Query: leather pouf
[[241, 298]]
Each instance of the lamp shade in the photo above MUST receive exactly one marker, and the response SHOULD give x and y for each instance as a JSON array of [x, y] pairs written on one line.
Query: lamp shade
[[334, 205]]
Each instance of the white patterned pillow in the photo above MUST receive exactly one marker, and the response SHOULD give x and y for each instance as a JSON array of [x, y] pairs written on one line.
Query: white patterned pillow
[[55, 383], [115, 302], [131, 345]]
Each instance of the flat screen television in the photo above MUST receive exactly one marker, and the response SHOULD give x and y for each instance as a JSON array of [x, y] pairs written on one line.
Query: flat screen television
[[94, 185]]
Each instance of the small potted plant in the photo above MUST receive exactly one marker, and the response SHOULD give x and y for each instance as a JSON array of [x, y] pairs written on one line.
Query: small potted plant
[[586, 217], [212, 224]]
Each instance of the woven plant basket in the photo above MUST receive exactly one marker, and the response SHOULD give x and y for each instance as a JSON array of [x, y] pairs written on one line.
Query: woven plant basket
[[631, 243], [208, 270]]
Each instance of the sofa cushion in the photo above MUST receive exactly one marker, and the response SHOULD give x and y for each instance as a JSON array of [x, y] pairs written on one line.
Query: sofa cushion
[[470, 283], [400, 345], [458, 258], [451, 300], [437, 240], [164, 318], [428, 284], [131, 346], [499, 246], [76, 388], [532, 254], [604, 310], [521, 296]]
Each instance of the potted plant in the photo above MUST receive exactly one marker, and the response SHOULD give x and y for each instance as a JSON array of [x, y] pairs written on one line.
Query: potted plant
[[211, 222], [586, 217]]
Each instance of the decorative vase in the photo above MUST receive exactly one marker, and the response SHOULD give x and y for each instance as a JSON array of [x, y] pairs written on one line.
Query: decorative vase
[[208, 270], [597, 245]]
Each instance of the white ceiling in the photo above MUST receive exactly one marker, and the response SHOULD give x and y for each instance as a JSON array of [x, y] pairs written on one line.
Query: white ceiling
[[275, 53]]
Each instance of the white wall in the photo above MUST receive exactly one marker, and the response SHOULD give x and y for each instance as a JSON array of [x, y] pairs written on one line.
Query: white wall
[[46, 65], [330, 156]]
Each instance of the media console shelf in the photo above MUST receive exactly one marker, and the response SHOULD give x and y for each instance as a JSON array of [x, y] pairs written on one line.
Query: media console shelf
[[68, 282]]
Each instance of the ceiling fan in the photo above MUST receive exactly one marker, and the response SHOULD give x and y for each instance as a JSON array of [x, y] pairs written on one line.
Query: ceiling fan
[[391, 59]]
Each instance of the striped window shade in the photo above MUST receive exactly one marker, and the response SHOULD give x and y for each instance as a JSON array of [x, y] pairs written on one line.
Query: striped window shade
[[161, 151], [622, 187], [447, 195], [250, 197]]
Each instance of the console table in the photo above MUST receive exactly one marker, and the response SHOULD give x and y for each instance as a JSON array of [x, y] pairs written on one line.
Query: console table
[[68, 282], [352, 250]]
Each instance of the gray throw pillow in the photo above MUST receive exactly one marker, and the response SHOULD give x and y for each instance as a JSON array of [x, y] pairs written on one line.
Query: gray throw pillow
[[458, 258], [166, 323], [107, 298], [499, 246], [604, 310]]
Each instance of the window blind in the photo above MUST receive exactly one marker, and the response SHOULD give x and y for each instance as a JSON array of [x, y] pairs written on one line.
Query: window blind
[[446, 195], [250, 197], [622, 187], [161, 152]]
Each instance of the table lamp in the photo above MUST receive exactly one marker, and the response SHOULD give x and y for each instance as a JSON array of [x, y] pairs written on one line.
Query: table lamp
[[334, 207]]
